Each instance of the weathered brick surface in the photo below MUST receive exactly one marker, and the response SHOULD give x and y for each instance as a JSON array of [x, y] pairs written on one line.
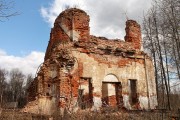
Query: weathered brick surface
[[109, 101], [32, 90], [70, 25], [133, 33], [73, 54]]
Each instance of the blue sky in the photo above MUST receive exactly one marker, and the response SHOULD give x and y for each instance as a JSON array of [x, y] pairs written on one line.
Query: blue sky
[[27, 31], [24, 38]]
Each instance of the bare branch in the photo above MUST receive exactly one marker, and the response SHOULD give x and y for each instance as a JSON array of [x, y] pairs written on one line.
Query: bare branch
[[7, 10]]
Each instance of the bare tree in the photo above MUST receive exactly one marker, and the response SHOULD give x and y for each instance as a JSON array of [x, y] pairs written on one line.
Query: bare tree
[[169, 10], [161, 38], [3, 74], [16, 83], [6, 10], [29, 80]]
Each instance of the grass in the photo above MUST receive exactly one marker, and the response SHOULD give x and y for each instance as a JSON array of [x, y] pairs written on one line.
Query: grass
[[106, 114]]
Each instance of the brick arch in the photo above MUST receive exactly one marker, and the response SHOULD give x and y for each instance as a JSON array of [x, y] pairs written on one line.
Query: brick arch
[[110, 78]]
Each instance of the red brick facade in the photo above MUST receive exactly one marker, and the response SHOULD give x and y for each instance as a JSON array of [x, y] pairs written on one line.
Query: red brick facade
[[78, 64]]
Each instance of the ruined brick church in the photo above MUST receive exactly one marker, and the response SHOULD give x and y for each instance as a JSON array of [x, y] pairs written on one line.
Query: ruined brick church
[[82, 71]]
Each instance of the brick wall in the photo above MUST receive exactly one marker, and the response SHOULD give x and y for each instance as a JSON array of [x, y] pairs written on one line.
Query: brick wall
[[73, 54], [133, 33]]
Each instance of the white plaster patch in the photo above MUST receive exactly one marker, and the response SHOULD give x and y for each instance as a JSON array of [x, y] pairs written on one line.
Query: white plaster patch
[[74, 35], [110, 78], [143, 102], [97, 103], [46, 106], [126, 101], [53, 73], [85, 89], [111, 90], [153, 102]]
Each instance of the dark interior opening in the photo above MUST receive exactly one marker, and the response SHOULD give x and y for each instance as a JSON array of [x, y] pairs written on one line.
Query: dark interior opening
[[80, 98], [85, 100], [118, 94], [47, 94], [133, 92]]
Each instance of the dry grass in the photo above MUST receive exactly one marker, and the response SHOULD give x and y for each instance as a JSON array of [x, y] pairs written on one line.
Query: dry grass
[[16, 115], [107, 114]]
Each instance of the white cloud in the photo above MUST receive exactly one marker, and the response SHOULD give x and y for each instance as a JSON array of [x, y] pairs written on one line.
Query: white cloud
[[107, 18], [27, 64], [50, 13], [2, 52]]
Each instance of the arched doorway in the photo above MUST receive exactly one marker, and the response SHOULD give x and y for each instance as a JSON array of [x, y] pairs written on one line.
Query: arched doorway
[[111, 91]]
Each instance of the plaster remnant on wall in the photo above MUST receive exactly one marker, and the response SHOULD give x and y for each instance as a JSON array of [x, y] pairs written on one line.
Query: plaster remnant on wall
[[82, 71]]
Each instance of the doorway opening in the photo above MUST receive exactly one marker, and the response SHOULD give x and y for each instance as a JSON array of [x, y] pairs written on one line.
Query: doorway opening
[[111, 92]]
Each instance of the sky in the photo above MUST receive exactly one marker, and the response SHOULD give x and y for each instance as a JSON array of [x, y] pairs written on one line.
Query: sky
[[24, 38]]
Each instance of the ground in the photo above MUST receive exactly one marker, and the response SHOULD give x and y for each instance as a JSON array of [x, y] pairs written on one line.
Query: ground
[[108, 113]]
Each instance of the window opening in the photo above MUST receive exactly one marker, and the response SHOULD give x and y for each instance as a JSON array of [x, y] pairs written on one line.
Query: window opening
[[133, 92], [85, 93]]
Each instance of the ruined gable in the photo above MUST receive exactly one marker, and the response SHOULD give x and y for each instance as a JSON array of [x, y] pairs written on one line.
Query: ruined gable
[[83, 71]]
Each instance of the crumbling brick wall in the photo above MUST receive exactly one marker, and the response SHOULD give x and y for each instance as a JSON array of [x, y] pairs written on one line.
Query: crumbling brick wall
[[32, 90], [78, 64], [70, 25], [133, 33]]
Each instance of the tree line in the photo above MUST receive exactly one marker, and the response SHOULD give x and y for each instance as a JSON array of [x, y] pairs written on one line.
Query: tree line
[[13, 87], [161, 30]]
